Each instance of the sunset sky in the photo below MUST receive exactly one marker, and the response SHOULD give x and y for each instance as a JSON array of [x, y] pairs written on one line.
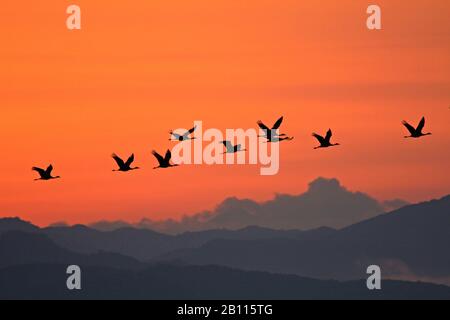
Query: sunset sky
[[140, 68]]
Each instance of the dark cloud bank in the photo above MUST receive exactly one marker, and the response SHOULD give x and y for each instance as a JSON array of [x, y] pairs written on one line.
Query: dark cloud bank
[[326, 203]]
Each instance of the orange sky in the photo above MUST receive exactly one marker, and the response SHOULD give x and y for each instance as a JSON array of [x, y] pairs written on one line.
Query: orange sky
[[140, 68]]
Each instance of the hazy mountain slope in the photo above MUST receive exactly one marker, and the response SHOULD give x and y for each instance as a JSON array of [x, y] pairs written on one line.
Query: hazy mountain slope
[[29, 248], [410, 242], [146, 244]]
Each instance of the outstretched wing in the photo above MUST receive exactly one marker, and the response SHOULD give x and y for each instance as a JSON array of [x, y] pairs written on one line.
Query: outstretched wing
[[158, 157], [263, 126], [49, 170], [130, 160], [192, 130], [118, 160], [41, 172], [319, 138], [168, 156], [410, 128], [329, 135], [228, 145], [421, 125], [175, 135], [277, 124]]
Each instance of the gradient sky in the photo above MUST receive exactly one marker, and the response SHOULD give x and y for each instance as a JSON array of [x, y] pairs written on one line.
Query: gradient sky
[[140, 68]]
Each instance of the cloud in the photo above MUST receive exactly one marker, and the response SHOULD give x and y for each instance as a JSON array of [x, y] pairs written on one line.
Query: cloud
[[326, 203]]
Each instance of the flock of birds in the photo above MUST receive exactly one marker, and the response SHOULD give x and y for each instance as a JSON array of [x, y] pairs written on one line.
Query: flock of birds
[[270, 134]]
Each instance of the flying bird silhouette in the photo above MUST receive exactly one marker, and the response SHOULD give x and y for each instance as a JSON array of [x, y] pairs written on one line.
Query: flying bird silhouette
[[124, 166], [279, 139], [271, 134], [416, 132], [183, 137], [325, 142], [232, 149], [45, 174], [164, 162]]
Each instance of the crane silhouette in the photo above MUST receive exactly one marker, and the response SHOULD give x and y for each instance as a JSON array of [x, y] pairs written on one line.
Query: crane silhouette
[[325, 142], [232, 149], [416, 132], [124, 166], [279, 139], [164, 162], [45, 174], [183, 137], [271, 134]]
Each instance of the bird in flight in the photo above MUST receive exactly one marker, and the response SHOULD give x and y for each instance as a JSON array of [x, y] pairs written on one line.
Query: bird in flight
[[124, 166], [271, 134], [232, 149], [279, 139], [183, 137], [45, 174], [164, 162], [416, 132], [325, 142]]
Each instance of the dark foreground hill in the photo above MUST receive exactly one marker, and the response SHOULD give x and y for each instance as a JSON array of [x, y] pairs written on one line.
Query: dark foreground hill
[[171, 282]]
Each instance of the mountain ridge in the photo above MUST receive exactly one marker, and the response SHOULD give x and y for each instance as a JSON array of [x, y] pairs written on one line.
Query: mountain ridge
[[408, 243]]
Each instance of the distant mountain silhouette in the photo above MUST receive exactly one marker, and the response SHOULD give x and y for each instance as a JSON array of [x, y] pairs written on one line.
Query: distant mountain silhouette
[[305, 211], [146, 244], [190, 283], [16, 224], [410, 243], [140, 244], [18, 248]]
